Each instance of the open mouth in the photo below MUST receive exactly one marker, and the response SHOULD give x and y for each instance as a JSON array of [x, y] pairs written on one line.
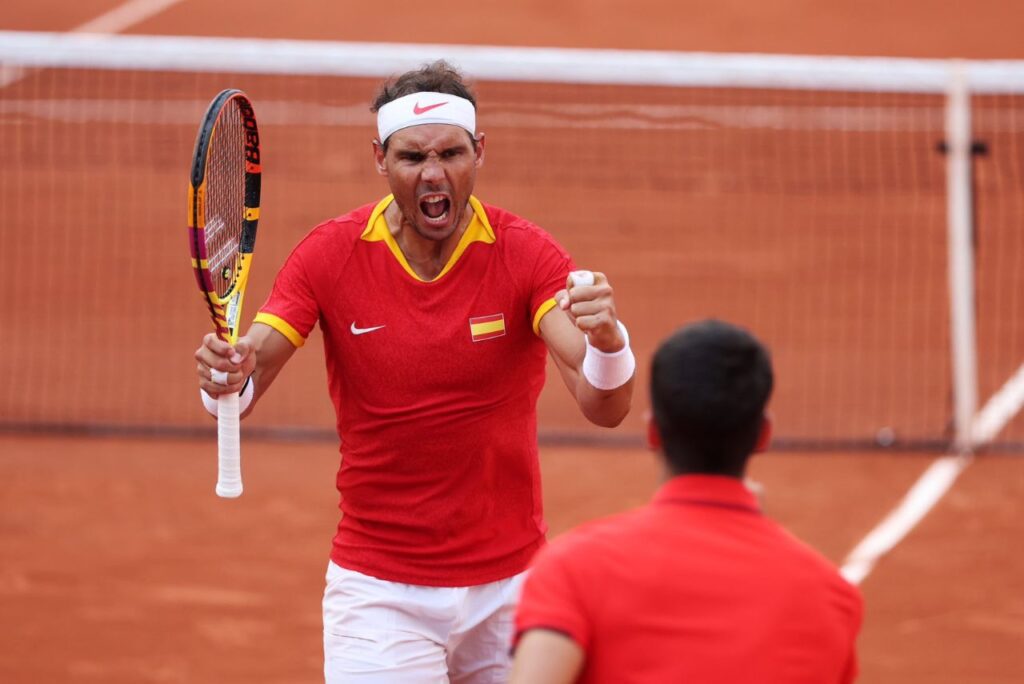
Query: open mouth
[[435, 208]]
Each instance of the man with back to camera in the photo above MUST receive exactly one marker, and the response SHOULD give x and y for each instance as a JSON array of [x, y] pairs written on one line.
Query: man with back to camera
[[698, 586], [437, 313]]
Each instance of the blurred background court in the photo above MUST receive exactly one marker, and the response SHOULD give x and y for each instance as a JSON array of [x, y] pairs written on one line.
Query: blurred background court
[[817, 217]]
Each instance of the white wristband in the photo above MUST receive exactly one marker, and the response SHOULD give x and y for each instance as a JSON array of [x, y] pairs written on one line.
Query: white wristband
[[244, 397], [607, 371]]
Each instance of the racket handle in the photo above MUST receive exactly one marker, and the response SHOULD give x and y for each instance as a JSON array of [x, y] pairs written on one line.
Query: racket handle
[[582, 278], [229, 456]]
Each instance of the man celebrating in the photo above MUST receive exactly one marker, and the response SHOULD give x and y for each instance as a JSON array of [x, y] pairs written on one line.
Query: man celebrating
[[437, 313], [698, 586]]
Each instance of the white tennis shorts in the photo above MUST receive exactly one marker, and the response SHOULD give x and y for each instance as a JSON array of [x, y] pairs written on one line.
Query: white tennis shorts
[[379, 632]]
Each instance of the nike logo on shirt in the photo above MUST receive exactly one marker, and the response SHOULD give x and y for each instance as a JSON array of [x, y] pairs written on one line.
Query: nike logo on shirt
[[363, 331], [417, 110]]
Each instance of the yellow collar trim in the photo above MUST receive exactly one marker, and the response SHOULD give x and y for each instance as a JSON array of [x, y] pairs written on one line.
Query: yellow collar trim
[[478, 230]]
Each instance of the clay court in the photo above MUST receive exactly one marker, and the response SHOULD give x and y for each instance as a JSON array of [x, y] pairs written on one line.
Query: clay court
[[118, 564]]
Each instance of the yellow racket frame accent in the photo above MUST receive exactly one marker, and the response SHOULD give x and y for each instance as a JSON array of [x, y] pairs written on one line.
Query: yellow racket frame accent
[[225, 311]]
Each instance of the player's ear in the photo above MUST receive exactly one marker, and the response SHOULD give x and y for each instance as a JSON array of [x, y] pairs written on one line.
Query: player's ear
[[380, 157], [479, 149], [653, 436], [765, 436]]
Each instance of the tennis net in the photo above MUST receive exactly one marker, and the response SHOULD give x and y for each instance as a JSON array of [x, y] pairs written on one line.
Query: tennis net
[[806, 198]]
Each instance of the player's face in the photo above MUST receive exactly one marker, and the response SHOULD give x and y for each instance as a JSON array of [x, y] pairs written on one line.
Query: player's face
[[431, 170]]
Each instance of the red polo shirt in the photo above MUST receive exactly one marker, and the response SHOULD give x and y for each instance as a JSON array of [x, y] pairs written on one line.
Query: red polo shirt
[[698, 586], [435, 385]]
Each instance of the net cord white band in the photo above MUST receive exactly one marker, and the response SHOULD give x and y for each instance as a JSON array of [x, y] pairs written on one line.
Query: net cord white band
[[609, 370], [557, 65], [417, 109]]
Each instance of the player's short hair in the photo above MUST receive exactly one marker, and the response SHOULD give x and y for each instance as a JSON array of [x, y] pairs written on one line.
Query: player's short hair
[[436, 77], [710, 383]]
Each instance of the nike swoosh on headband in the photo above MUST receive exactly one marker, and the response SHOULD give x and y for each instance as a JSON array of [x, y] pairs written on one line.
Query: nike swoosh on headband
[[423, 110]]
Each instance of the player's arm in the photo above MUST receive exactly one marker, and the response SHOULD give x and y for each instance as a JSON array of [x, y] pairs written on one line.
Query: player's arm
[[597, 366], [544, 656], [260, 354]]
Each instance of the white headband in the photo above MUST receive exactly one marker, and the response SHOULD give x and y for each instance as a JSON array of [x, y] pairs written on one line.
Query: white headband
[[425, 108]]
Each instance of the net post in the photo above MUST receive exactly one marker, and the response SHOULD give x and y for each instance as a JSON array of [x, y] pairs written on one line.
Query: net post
[[961, 256]]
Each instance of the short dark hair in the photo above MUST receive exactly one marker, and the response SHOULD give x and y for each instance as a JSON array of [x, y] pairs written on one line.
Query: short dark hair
[[436, 77], [710, 383]]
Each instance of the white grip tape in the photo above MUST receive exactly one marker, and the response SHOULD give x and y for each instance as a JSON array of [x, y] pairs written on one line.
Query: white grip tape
[[244, 398], [229, 456], [609, 370], [582, 278]]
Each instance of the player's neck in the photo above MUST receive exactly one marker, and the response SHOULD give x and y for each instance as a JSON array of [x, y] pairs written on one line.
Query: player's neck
[[427, 257]]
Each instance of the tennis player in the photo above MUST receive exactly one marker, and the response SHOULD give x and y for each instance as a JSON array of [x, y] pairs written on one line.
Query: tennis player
[[437, 312], [699, 586]]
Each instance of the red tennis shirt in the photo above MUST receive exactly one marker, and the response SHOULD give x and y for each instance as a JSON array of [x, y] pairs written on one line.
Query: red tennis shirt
[[696, 587], [435, 386]]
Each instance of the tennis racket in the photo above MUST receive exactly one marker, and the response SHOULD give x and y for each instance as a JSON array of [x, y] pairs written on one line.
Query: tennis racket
[[223, 209]]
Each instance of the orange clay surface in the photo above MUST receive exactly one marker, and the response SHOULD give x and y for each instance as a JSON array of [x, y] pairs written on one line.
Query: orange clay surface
[[119, 565]]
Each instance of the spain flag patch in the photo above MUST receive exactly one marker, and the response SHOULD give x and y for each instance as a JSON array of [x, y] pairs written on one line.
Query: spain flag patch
[[487, 327]]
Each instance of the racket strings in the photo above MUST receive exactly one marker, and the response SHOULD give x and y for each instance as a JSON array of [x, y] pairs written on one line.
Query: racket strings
[[225, 201]]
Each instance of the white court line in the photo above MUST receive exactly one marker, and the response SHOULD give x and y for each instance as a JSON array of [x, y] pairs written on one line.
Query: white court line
[[125, 15], [922, 497], [1000, 408], [116, 20], [935, 482]]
